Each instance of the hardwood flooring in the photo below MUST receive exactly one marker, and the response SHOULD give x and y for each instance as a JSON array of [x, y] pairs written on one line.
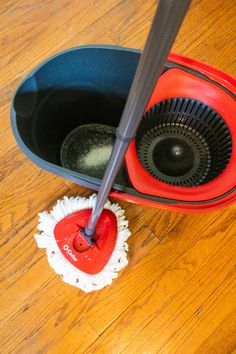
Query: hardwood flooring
[[178, 293]]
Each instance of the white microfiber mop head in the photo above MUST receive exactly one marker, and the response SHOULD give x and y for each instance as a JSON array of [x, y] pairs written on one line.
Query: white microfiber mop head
[[69, 273]]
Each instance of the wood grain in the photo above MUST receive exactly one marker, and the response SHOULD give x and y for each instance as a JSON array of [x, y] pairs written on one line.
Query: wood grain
[[178, 293]]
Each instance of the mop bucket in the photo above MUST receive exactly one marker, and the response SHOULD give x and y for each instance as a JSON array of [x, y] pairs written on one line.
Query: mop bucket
[[90, 84]]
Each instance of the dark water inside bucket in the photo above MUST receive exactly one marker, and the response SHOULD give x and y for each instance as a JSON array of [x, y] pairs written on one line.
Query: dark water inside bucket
[[59, 114]]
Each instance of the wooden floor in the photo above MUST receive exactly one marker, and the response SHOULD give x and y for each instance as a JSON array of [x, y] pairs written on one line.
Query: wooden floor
[[178, 293]]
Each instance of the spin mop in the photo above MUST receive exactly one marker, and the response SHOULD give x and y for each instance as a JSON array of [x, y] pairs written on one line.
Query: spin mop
[[85, 238]]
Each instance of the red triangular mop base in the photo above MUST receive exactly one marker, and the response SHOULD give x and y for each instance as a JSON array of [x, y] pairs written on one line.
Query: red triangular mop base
[[89, 259], [88, 267]]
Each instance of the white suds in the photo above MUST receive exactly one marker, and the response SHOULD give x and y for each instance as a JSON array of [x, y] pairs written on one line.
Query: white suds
[[97, 156]]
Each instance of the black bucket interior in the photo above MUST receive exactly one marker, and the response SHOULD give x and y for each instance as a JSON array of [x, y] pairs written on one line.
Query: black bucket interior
[[81, 86], [62, 110]]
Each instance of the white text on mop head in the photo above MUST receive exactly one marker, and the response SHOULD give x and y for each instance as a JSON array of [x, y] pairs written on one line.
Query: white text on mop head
[[70, 253]]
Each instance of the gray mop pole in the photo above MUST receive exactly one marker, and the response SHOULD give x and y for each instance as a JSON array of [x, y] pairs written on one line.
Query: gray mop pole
[[165, 26]]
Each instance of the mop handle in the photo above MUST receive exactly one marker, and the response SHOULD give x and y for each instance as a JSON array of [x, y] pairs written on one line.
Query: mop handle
[[165, 26]]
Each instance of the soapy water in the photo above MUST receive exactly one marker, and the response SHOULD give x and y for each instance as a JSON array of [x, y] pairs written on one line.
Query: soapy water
[[96, 157], [87, 149]]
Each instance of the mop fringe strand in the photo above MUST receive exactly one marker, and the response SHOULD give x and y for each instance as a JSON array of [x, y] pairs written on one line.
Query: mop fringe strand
[[70, 274]]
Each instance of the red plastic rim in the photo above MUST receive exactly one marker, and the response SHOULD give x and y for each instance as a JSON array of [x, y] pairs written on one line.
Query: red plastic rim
[[93, 259], [179, 207], [178, 83]]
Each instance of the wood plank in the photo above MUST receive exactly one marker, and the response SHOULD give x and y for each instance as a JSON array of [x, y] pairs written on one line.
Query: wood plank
[[22, 197], [134, 279], [222, 339], [178, 292], [208, 31], [20, 238], [77, 338], [11, 156], [181, 307], [30, 301]]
